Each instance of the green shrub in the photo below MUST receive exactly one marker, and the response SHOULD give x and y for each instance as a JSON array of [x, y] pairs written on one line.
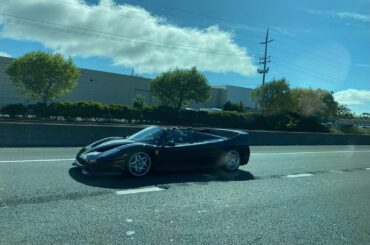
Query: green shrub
[[14, 109], [161, 114], [120, 112], [40, 110], [294, 122], [229, 106]]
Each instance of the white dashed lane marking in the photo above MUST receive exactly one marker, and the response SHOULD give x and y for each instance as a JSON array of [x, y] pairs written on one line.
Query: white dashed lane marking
[[337, 171], [297, 175], [367, 168], [139, 190]]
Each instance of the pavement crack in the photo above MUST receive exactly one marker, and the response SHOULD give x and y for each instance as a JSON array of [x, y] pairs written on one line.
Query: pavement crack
[[54, 198]]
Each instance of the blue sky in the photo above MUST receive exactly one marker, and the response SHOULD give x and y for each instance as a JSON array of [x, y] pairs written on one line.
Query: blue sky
[[318, 44]]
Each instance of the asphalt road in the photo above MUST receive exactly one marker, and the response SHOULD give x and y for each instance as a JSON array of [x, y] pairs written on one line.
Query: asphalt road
[[285, 195]]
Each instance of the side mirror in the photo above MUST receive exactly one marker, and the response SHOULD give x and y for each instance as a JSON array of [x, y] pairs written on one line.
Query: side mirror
[[170, 143]]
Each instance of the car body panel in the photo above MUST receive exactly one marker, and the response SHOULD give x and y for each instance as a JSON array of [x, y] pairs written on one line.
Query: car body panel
[[194, 149]]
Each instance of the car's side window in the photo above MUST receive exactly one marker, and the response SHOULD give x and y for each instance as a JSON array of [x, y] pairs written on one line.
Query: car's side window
[[179, 137]]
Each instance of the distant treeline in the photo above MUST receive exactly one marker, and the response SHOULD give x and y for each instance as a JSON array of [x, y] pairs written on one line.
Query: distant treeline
[[95, 111]]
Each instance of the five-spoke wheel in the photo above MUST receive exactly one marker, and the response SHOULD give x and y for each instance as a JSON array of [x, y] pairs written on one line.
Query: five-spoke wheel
[[139, 164], [232, 160]]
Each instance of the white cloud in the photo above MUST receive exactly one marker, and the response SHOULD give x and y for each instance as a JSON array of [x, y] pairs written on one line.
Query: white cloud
[[129, 35], [342, 15], [353, 97], [354, 16], [5, 54]]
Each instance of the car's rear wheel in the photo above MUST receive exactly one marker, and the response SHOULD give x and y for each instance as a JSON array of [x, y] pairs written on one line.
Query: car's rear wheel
[[232, 160], [139, 164]]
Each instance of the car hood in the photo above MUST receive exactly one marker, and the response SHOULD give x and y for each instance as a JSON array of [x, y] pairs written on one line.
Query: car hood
[[108, 145]]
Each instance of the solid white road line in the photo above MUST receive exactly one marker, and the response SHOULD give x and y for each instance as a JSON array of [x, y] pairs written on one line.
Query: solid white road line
[[139, 190], [307, 152], [38, 160], [297, 175]]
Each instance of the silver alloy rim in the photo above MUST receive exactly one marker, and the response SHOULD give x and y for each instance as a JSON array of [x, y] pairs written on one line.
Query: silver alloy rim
[[139, 164], [232, 160]]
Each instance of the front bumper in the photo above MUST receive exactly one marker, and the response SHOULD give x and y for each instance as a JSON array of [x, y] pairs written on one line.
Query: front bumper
[[99, 166], [77, 163]]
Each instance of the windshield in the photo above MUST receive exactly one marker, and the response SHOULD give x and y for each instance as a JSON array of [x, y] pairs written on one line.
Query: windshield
[[149, 135]]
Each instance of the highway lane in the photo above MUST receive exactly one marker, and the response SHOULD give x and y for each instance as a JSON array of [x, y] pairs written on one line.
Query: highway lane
[[290, 195]]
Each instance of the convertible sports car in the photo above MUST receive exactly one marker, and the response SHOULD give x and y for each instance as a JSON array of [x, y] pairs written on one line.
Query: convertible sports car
[[162, 148]]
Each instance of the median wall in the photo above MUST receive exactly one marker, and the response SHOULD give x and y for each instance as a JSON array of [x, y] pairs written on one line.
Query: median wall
[[68, 135]]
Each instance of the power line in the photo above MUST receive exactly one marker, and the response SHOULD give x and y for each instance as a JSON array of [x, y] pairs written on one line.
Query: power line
[[312, 72], [315, 47], [199, 14], [322, 51], [247, 38], [207, 16], [295, 54], [107, 35], [260, 28]]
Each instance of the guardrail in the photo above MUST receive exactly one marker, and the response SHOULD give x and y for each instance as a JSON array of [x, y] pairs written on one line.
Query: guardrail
[[16, 134]]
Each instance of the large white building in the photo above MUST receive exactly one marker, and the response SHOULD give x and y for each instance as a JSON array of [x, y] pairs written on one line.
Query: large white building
[[115, 88]]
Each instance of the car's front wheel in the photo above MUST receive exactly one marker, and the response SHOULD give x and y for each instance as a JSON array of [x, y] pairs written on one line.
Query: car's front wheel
[[232, 160], [139, 164]]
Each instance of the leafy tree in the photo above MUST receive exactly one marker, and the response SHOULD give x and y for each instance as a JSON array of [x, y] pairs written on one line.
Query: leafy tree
[[310, 102], [307, 102], [344, 112], [179, 87], [365, 115], [229, 106], [138, 102], [330, 105], [43, 76], [273, 97]]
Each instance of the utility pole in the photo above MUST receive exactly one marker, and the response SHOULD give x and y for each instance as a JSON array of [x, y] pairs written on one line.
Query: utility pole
[[264, 60]]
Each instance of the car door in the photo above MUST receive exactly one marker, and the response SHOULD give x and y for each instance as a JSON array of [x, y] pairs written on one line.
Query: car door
[[177, 157]]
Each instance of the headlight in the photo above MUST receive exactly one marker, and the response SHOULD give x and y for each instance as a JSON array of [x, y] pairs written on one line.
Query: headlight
[[90, 157]]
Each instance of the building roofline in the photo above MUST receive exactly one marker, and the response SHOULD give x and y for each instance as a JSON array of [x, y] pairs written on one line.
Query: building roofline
[[10, 59]]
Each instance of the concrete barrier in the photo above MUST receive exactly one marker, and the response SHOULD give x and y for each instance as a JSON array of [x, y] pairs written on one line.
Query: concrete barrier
[[57, 135], [68, 135], [300, 138]]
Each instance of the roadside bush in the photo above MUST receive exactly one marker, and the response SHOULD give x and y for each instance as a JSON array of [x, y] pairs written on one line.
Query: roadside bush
[[229, 106], [40, 110], [14, 109], [236, 120], [161, 114], [82, 109], [167, 115], [294, 122], [193, 118], [120, 112]]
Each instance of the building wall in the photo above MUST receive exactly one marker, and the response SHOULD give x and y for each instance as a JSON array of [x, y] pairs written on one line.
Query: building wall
[[109, 88], [115, 88], [236, 94]]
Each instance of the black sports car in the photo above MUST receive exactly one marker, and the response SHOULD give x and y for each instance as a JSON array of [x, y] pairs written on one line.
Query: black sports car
[[162, 148]]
